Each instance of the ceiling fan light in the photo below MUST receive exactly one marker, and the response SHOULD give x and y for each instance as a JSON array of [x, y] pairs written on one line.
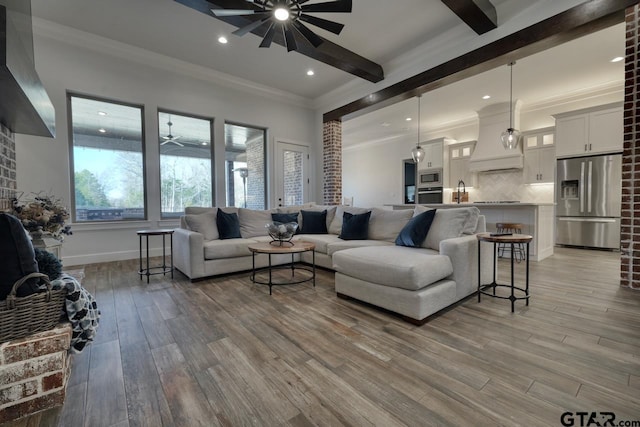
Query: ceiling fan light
[[281, 13], [418, 154], [510, 138]]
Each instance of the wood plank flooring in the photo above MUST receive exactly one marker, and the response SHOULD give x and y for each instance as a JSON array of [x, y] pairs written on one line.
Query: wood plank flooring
[[223, 352]]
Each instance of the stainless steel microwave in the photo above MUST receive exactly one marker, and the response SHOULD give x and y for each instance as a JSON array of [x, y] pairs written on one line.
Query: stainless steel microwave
[[430, 178]]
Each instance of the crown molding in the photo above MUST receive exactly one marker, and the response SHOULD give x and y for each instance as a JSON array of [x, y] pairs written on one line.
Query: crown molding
[[82, 39]]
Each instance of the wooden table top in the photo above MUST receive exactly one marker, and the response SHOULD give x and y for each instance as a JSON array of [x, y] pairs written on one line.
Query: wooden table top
[[512, 238], [155, 232], [286, 248]]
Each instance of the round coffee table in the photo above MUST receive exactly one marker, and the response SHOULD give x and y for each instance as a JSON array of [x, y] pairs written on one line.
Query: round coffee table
[[509, 239], [269, 249]]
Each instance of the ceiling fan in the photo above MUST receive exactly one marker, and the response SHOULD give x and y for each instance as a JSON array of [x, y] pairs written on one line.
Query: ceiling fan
[[286, 16], [170, 138]]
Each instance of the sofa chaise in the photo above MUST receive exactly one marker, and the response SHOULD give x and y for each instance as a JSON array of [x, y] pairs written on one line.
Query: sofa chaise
[[414, 282]]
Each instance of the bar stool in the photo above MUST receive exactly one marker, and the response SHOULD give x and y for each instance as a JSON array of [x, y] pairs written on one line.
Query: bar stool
[[518, 248]]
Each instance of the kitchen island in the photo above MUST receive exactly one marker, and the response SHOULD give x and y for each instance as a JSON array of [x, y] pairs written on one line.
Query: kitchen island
[[537, 220]]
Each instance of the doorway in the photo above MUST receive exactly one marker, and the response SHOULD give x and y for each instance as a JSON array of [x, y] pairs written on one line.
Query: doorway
[[292, 174], [409, 178]]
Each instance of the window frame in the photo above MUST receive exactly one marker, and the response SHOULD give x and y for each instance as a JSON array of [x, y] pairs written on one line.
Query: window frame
[[72, 184], [211, 159], [264, 160]]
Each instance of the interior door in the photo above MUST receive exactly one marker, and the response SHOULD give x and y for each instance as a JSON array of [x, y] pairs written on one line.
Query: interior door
[[292, 174]]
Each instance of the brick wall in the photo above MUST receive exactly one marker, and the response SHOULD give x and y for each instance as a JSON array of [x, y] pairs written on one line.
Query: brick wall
[[7, 168], [255, 181], [293, 178], [34, 373], [630, 229], [332, 150]]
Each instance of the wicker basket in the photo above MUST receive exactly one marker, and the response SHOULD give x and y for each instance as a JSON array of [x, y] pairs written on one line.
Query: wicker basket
[[20, 317]]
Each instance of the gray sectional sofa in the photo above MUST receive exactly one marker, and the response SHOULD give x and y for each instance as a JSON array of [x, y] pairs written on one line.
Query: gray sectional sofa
[[414, 282]]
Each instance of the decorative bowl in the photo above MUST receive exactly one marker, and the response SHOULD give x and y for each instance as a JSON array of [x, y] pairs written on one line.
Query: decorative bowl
[[281, 232]]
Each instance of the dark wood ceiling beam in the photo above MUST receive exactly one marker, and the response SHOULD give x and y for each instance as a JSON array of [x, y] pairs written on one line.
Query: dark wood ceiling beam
[[576, 22], [480, 15], [328, 52]]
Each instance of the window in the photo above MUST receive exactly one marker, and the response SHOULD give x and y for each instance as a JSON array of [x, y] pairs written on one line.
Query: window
[[185, 162], [107, 160], [245, 170]]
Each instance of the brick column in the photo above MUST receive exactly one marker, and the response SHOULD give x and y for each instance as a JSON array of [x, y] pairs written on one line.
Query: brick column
[[630, 229], [34, 372], [332, 166], [7, 168]]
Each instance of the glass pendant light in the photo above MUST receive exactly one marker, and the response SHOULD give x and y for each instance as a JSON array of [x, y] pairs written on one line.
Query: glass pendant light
[[510, 137], [418, 152]]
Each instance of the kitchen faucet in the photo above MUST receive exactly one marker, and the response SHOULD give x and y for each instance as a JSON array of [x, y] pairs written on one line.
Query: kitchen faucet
[[464, 189]]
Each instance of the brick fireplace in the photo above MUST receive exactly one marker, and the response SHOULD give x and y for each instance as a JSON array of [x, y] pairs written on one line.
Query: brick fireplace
[[7, 167]]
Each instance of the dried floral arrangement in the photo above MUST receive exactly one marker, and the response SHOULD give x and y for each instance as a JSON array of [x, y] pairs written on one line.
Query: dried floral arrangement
[[42, 212]]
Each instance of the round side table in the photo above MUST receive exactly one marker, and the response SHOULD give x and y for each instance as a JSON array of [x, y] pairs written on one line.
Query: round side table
[[162, 269], [508, 239]]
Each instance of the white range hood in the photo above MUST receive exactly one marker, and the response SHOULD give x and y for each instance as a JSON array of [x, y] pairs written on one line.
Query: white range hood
[[489, 154]]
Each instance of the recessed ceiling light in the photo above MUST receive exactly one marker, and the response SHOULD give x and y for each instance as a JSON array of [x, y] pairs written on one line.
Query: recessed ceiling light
[[102, 130], [205, 143], [617, 59], [102, 113], [408, 119], [486, 97], [222, 40], [310, 72]]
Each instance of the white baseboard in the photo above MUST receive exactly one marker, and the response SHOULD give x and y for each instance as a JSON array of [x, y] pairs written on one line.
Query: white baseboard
[[73, 260]]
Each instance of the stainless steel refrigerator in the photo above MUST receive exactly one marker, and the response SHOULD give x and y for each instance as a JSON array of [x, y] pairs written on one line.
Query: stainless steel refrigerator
[[588, 194]]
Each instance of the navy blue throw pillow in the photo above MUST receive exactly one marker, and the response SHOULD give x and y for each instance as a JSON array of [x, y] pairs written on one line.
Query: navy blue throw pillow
[[355, 226], [314, 222], [228, 225], [285, 217], [416, 230]]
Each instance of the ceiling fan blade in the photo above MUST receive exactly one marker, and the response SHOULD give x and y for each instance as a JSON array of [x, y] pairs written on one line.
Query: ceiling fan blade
[[165, 142], [331, 26], [235, 12], [289, 38], [177, 143], [250, 27], [268, 37], [340, 6], [312, 37]]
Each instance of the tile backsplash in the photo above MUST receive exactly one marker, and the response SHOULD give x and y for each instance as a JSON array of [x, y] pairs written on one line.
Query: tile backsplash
[[508, 185]]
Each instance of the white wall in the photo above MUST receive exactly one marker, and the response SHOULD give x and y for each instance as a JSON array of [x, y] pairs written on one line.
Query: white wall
[[102, 69]]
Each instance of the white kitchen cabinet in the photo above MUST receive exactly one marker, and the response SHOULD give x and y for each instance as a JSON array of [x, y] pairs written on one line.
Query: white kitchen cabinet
[[459, 155], [539, 155], [591, 131], [433, 153]]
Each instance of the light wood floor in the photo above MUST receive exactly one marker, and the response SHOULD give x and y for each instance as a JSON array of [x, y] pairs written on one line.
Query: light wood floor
[[224, 352]]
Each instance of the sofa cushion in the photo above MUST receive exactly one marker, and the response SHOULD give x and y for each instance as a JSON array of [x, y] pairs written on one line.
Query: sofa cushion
[[204, 223], [415, 232], [197, 210], [320, 240], [253, 223], [386, 224], [355, 226], [394, 266], [335, 226], [227, 248], [348, 244], [449, 223], [314, 222], [228, 225]]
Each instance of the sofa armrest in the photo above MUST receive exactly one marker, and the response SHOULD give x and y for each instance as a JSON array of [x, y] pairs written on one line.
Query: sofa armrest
[[463, 252], [188, 252]]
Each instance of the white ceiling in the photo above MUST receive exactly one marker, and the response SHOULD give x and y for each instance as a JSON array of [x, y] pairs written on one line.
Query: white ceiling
[[378, 30]]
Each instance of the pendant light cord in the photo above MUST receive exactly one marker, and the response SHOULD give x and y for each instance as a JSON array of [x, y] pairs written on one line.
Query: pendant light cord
[[511, 64], [418, 142]]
